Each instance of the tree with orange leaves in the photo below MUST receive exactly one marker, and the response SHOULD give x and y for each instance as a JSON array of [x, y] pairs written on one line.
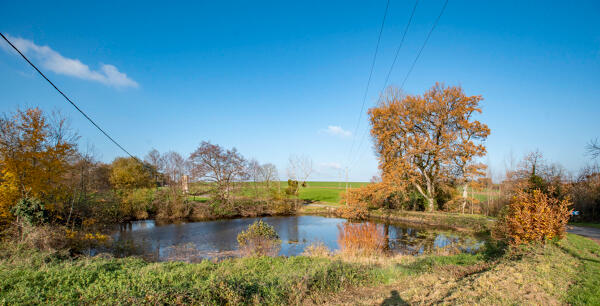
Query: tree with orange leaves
[[425, 141], [34, 154]]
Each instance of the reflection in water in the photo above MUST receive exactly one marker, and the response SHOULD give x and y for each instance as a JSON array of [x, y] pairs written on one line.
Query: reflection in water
[[219, 238]]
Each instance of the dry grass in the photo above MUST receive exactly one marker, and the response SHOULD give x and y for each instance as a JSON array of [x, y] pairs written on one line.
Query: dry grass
[[537, 276], [317, 249], [361, 239]]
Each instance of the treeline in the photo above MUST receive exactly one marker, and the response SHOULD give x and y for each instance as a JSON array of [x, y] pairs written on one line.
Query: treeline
[[46, 179]]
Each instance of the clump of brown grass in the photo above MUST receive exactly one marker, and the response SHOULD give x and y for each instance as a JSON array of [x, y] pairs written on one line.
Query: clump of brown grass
[[316, 249], [44, 238], [361, 239]]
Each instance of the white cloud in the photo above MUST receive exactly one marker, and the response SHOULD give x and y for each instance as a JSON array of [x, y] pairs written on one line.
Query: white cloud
[[52, 60], [335, 130], [331, 165]]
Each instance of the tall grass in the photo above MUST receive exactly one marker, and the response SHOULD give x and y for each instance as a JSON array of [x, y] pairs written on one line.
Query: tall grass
[[361, 239]]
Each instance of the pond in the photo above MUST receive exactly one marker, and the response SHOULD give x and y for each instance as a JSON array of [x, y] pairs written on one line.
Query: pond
[[219, 238]]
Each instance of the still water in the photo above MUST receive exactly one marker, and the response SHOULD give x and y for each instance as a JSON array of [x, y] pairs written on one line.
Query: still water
[[218, 238]]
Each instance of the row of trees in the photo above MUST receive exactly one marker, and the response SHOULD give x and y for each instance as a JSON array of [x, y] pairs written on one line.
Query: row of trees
[[41, 163]]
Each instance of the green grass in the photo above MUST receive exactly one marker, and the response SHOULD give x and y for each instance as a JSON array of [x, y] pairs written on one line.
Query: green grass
[[339, 185], [313, 194], [586, 289], [327, 192], [566, 271], [585, 224], [261, 280]]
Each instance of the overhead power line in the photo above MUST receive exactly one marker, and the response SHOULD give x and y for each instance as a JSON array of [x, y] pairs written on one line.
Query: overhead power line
[[424, 43], [435, 23], [67, 98], [387, 77], [369, 79]]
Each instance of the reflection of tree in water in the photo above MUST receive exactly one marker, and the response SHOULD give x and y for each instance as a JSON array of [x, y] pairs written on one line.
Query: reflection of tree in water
[[124, 246], [292, 230], [413, 241]]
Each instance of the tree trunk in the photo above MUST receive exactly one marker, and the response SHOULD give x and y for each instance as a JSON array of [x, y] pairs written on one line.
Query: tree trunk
[[430, 203], [464, 195]]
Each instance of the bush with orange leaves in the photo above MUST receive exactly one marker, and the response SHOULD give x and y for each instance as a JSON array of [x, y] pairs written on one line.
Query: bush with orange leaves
[[360, 200], [361, 239], [532, 216]]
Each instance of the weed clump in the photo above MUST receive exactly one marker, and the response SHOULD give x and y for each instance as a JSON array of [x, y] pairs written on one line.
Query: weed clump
[[260, 239]]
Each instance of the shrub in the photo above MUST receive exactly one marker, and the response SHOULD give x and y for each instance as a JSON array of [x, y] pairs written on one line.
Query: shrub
[[260, 239], [171, 204], [44, 238], [352, 212], [362, 239], [136, 203], [532, 216], [283, 207], [30, 211], [374, 195], [292, 188]]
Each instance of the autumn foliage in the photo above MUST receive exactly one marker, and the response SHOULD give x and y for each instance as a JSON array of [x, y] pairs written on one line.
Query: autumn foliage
[[533, 216], [34, 158], [371, 196], [426, 141]]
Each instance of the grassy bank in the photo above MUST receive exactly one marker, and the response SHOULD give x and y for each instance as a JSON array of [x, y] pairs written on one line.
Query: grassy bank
[[561, 272], [474, 223], [457, 221], [40, 279], [565, 272]]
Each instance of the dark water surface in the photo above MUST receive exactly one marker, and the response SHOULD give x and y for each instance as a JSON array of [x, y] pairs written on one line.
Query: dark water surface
[[218, 238]]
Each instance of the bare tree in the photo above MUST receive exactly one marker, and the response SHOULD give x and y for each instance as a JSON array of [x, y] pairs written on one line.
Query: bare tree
[[300, 168], [223, 167], [174, 167], [269, 174], [157, 162], [593, 148], [254, 171]]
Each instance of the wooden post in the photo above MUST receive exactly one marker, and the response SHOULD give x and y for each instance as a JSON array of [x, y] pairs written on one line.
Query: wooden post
[[184, 184]]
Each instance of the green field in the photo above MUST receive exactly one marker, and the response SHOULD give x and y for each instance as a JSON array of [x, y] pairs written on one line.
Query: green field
[[328, 192]]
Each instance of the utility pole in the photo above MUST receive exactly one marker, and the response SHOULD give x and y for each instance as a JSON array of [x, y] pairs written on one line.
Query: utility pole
[[346, 186]]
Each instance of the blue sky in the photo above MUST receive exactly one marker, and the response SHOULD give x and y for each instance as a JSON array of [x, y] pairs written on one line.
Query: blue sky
[[279, 78]]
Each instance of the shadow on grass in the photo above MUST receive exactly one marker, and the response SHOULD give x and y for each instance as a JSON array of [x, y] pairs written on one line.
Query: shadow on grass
[[574, 254], [394, 299]]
